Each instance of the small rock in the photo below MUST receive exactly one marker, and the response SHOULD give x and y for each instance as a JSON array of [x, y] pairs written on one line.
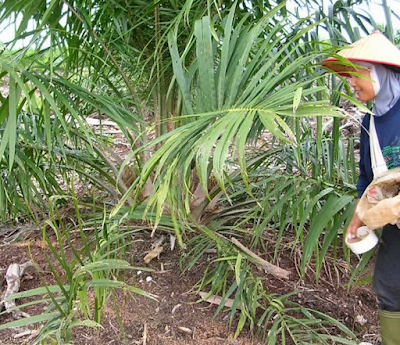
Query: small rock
[[172, 240], [185, 330], [176, 307], [361, 320]]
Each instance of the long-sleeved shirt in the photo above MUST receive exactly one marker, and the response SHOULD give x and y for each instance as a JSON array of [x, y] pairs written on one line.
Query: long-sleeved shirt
[[388, 131]]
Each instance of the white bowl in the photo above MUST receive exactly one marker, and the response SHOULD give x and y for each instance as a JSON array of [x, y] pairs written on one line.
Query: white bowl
[[367, 243]]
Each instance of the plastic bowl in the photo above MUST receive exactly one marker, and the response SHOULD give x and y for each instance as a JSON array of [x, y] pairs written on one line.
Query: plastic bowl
[[368, 241]]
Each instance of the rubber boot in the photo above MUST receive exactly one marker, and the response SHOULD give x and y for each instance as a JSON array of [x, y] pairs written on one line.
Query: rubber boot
[[390, 327]]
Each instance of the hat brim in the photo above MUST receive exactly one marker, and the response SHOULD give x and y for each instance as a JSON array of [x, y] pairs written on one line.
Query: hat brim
[[375, 48], [343, 69]]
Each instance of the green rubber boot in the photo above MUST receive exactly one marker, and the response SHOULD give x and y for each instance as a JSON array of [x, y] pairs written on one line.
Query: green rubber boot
[[390, 327]]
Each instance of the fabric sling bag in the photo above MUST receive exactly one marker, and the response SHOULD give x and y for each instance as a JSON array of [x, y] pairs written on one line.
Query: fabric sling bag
[[386, 211], [377, 161]]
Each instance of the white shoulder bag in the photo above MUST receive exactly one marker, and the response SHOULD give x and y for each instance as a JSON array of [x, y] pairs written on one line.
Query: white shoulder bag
[[377, 161], [375, 215]]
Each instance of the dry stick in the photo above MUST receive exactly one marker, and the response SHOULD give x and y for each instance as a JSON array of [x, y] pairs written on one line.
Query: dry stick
[[158, 243], [267, 266], [144, 337], [213, 299], [32, 334], [13, 278]]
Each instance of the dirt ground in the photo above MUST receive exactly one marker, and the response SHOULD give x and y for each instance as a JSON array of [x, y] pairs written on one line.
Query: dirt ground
[[149, 322]]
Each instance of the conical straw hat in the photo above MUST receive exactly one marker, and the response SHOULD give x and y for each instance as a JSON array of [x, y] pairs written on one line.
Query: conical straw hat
[[375, 48]]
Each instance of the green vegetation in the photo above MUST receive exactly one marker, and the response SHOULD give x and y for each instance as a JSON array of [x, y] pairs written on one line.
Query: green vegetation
[[217, 76]]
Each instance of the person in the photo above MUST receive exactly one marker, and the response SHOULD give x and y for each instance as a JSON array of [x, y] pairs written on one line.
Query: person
[[376, 78]]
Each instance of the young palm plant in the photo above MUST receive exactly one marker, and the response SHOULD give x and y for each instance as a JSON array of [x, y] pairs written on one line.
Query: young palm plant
[[237, 81], [240, 81]]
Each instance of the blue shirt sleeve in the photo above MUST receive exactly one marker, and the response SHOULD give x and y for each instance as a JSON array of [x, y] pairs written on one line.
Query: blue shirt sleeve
[[363, 180]]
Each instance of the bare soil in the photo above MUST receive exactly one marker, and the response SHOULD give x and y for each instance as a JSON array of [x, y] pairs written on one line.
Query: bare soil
[[158, 322]]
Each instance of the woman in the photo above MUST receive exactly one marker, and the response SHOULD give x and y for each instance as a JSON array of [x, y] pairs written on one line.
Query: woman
[[377, 79]]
